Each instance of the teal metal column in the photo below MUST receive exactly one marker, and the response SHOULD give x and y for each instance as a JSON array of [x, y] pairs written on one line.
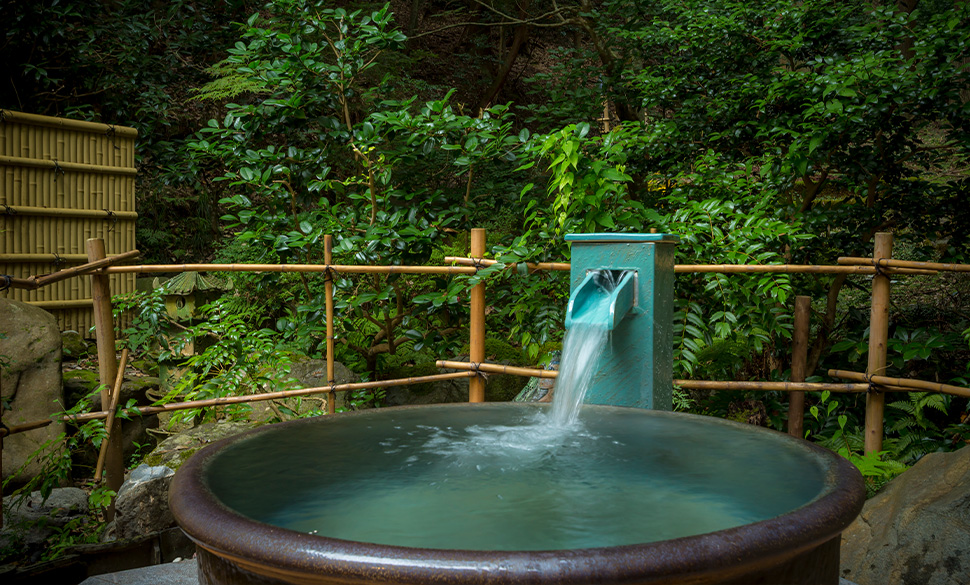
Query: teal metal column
[[636, 368]]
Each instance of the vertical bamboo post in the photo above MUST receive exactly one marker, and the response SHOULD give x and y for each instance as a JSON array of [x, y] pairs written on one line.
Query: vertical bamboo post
[[799, 360], [107, 364], [476, 329], [1, 456], [110, 424], [328, 290], [878, 341]]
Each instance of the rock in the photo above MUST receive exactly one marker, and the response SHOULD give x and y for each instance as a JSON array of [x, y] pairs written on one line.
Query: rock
[[916, 530], [442, 391], [147, 366], [30, 380], [175, 450], [80, 384], [498, 388], [142, 504], [74, 346], [28, 522]]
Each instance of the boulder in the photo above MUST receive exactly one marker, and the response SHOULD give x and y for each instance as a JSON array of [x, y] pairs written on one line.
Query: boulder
[[30, 380], [442, 391], [498, 388], [175, 450], [916, 530], [142, 504], [73, 346], [80, 384], [31, 520]]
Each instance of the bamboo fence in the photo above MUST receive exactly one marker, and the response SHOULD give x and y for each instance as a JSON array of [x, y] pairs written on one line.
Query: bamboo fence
[[63, 182], [99, 267]]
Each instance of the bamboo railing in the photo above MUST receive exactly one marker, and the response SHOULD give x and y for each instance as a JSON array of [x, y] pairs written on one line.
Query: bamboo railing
[[871, 383]]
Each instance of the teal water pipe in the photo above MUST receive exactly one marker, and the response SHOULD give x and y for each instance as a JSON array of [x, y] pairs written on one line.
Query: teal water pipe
[[636, 368]]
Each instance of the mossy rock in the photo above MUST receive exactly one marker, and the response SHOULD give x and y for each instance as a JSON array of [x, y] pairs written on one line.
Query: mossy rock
[[547, 351], [73, 346], [501, 352], [79, 384], [176, 450], [504, 388], [143, 383], [416, 371], [438, 392], [146, 366]]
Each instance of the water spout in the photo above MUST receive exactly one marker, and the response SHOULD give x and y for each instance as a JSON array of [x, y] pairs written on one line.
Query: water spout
[[635, 366], [597, 303]]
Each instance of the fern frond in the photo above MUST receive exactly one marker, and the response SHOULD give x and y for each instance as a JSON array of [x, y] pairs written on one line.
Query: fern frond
[[228, 83]]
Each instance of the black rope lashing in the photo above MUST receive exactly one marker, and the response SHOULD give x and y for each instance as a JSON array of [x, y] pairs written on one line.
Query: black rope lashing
[[5, 281], [58, 169], [110, 132], [476, 367], [110, 215], [57, 260], [478, 264], [7, 210]]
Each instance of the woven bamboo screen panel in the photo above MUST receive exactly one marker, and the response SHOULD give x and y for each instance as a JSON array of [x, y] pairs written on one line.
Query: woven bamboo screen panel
[[63, 182]]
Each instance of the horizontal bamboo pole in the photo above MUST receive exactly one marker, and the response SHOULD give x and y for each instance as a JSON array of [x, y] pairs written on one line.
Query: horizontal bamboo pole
[[789, 269], [496, 369], [41, 258], [891, 263], [35, 282], [66, 212], [342, 268], [904, 384], [36, 163], [486, 262], [147, 410], [65, 124], [689, 384], [53, 305], [769, 386], [718, 268]]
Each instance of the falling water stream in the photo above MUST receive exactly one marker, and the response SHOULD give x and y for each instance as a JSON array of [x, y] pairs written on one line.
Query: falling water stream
[[581, 351], [513, 476]]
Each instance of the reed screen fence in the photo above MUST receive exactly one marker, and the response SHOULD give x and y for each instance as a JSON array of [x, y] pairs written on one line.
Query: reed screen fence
[[64, 182]]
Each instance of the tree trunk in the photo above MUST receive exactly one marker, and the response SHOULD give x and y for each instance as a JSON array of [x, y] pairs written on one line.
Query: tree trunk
[[520, 37]]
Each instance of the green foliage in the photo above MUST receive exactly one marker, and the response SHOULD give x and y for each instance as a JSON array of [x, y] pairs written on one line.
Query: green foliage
[[587, 183], [320, 149], [918, 434], [837, 433], [237, 360], [149, 321]]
